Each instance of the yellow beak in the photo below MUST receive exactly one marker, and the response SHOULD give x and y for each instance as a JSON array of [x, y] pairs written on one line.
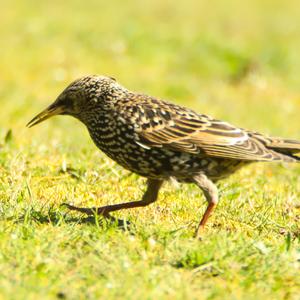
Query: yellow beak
[[50, 111]]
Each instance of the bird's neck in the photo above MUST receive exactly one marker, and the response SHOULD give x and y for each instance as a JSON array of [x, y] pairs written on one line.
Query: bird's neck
[[94, 117], [107, 112]]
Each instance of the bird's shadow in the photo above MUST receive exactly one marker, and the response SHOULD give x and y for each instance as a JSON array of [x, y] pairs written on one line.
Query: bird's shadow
[[56, 218]]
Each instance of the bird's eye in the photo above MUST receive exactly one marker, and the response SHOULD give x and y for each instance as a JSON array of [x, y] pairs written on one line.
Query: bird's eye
[[112, 78], [68, 102]]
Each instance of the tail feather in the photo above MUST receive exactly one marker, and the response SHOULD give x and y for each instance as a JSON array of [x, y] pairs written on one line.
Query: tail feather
[[291, 146], [287, 148]]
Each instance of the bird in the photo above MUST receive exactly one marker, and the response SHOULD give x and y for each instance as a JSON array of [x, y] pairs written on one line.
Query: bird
[[159, 140]]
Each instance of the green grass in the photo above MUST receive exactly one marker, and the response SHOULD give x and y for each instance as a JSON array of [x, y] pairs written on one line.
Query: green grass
[[235, 60]]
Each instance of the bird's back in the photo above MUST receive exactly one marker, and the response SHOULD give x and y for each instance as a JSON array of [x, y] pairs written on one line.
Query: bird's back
[[155, 138], [159, 124]]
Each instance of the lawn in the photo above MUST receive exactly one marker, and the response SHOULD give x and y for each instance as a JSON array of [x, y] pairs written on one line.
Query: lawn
[[235, 60]]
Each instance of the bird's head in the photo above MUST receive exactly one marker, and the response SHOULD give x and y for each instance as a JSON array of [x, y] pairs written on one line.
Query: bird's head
[[84, 95]]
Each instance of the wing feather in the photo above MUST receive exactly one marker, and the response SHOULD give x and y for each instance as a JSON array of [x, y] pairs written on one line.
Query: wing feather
[[180, 129]]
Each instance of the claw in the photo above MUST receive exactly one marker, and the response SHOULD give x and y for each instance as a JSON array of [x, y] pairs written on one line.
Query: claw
[[198, 235], [88, 211], [93, 211]]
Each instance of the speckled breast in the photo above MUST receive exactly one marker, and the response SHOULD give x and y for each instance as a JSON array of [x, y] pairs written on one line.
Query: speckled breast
[[162, 163]]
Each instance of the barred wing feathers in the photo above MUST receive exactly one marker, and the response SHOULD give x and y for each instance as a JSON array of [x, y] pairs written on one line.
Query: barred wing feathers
[[162, 124]]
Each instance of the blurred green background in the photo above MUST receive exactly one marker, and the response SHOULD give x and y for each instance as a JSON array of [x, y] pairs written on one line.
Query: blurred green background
[[189, 51], [235, 60]]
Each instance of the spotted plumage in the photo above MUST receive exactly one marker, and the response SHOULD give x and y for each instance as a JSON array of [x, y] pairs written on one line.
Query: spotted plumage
[[158, 140]]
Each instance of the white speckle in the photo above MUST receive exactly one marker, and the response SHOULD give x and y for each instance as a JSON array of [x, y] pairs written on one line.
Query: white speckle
[[175, 160], [122, 119], [143, 146]]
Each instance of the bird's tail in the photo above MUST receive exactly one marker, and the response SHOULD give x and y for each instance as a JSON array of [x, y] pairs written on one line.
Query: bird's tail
[[288, 150]]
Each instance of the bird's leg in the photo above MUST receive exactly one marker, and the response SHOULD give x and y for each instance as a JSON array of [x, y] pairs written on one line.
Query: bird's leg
[[149, 196], [211, 194]]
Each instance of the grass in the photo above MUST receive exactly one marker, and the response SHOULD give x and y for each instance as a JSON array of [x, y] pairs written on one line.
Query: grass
[[237, 61]]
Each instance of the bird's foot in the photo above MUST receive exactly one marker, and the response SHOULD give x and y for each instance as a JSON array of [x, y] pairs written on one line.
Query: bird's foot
[[97, 211], [88, 211], [199, 232]]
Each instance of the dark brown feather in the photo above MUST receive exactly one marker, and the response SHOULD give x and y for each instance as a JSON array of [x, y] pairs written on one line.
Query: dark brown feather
[[186, 131]]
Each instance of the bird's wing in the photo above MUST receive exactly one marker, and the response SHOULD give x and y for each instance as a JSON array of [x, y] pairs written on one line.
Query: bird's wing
[[180, 129], [277, 143]]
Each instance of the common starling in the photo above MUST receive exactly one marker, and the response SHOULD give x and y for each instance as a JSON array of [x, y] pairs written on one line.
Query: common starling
[[159, 140]]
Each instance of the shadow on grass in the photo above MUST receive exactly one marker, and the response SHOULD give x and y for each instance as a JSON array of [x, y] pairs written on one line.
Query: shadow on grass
[[55, 217]]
